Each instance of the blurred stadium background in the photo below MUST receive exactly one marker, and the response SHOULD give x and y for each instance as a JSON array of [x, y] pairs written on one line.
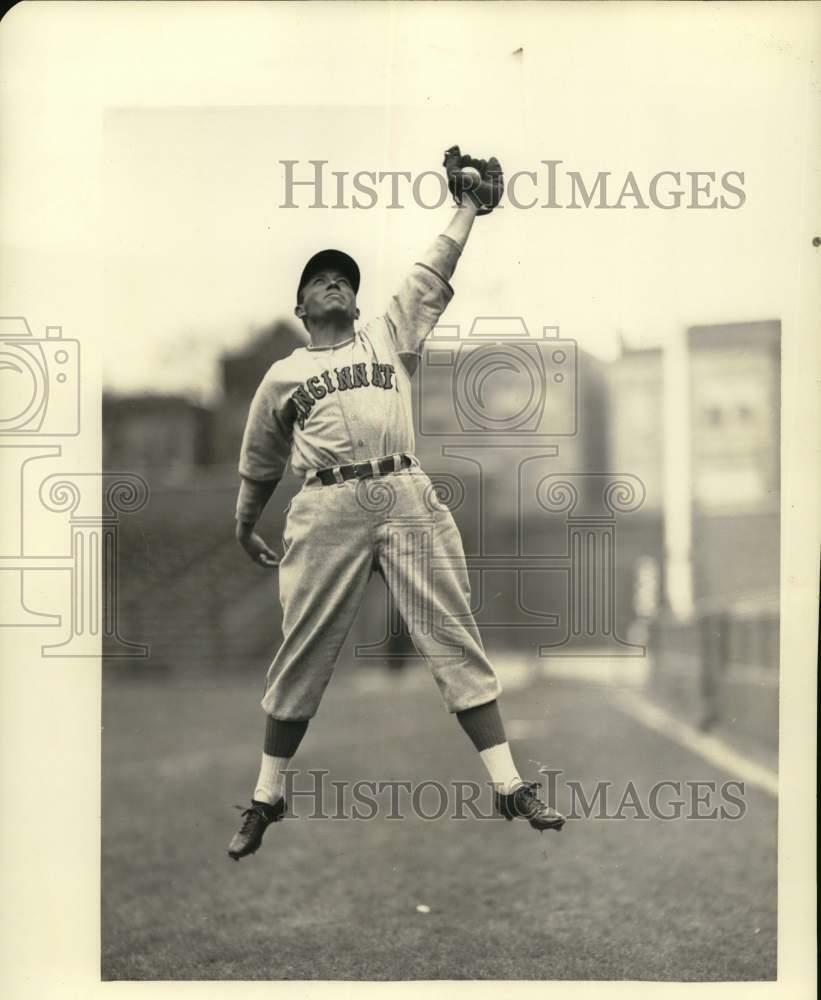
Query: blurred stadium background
[[695, 632]]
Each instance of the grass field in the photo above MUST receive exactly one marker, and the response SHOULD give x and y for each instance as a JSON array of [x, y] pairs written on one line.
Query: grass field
[[336, 899]]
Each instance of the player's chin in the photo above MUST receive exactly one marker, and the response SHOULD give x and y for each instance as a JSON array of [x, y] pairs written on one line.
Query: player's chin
[[334, 308]]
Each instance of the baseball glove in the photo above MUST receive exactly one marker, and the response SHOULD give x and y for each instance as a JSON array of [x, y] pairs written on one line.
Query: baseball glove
[[485, 191]]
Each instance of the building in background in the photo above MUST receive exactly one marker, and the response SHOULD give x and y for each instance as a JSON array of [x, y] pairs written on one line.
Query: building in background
[[719, 666], [735, 405], [635, 437], [732, 434], [168, 435]]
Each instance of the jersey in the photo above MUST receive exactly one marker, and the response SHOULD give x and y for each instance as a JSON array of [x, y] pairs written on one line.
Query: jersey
[[338, 406], [325, 407]]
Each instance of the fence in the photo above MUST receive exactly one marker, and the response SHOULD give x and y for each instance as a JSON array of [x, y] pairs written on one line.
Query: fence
[[720, 670], [186, 590]]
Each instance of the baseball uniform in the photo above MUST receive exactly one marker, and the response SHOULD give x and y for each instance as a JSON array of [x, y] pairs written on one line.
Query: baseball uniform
[[324, 408]]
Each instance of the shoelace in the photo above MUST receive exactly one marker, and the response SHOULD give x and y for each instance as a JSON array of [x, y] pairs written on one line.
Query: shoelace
[[529, 799], [248, 818]]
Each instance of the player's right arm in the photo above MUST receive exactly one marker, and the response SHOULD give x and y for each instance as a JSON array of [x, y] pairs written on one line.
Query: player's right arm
[[426, 292], [266, 447]]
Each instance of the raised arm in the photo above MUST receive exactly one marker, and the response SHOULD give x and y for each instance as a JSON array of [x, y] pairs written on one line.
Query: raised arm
[[477, 186], [443, 256], [461, 224]]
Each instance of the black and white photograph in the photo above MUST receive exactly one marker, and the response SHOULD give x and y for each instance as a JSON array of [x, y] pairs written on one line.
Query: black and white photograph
[[410, 452]]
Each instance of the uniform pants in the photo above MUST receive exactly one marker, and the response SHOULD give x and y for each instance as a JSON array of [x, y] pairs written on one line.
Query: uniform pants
[[335, 537]]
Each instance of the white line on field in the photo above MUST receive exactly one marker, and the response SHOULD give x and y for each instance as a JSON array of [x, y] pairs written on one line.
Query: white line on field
[[711, 748]]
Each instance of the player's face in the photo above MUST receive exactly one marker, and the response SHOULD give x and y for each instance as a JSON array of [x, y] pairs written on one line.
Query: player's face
[[327, 294]]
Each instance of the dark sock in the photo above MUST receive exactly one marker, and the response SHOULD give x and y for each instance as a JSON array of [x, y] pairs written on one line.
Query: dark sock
[[484, 725], [283, 737]]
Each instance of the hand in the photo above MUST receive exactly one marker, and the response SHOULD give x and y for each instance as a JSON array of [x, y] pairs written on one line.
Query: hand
[[484, 192], [258, 550]]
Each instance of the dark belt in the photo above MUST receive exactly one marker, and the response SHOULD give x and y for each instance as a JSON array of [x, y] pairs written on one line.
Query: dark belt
[[364, 470]]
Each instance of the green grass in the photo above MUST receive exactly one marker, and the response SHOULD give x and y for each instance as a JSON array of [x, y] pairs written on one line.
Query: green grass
[[336, 900]]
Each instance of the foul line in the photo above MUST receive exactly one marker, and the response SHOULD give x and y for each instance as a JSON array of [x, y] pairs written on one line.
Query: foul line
[[711, 748]]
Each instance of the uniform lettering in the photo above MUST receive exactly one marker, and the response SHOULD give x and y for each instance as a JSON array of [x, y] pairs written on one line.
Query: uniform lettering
[[388, 373], [343, 378], [305, 396], [316, 389], [304, 404]]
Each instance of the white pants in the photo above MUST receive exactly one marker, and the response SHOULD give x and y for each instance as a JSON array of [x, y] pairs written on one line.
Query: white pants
[[335, 537]]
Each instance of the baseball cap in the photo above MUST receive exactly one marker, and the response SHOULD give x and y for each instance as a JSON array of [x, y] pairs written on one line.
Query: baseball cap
[[335, 259]]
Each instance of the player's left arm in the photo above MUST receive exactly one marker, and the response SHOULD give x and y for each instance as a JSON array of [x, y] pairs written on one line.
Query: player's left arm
[[264, 454], [426, 292]]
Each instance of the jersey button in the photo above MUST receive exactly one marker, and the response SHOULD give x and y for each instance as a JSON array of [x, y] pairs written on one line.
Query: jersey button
[[361, 444]]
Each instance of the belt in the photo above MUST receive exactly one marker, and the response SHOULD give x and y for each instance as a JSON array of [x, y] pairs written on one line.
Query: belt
[[364, 470]]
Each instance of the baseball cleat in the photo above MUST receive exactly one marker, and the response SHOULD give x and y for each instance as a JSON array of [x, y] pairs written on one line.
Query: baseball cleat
[[255, 821], [524, 803]]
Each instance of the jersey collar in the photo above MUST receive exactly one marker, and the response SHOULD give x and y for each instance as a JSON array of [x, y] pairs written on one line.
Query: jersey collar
[[331, 347]]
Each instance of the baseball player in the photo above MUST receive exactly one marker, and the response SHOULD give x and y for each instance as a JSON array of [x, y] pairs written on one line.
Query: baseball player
[[340, 411]]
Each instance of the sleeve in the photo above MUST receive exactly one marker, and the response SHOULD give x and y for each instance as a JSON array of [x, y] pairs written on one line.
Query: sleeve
[[425, 293], [252, 498], [266, 442]]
